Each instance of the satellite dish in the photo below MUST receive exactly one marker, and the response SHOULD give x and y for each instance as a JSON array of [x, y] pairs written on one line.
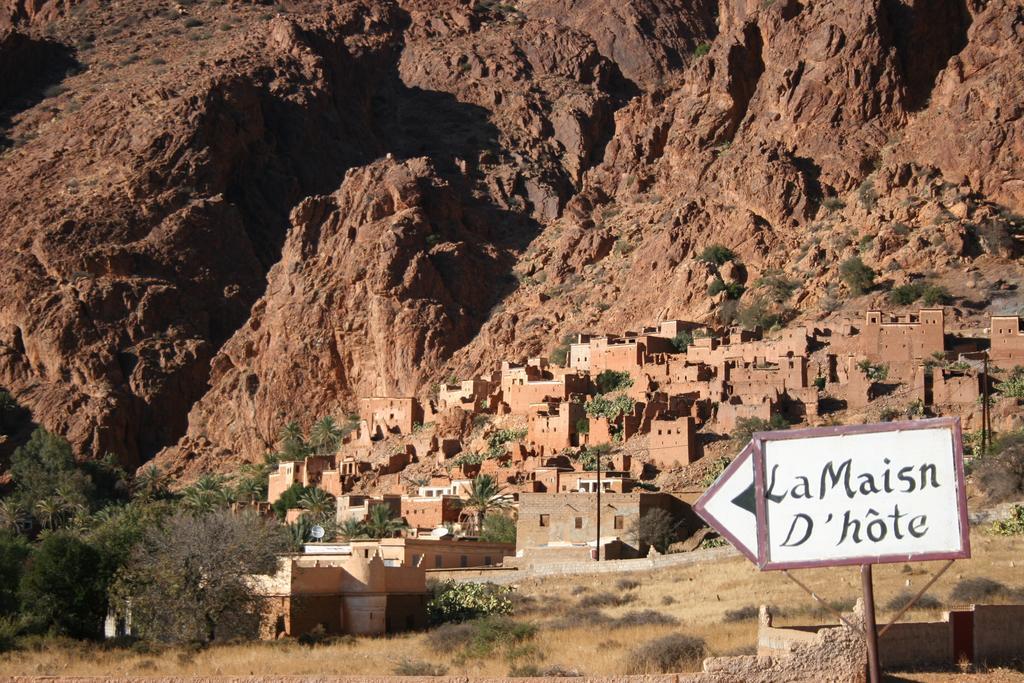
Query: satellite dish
[[440, 532], [317, 532]]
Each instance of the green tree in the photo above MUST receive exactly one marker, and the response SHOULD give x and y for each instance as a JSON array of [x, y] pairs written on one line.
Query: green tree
[[151, 484], [63, 588], [716, 254], [381, 522], [289, 499], [351, 529], [499, 528], [858, 277], [485, 495], [746, 426], [609, 408], [208, 493], [293, 445], [609, 381], [319, 504], [44, 465], [325, 436], [12, 516], [682, 341], [14, 551]]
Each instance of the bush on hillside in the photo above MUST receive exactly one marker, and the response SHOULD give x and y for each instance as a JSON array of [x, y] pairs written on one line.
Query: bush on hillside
[[716, 254], [667, 654], [459, 602], [857, 275]]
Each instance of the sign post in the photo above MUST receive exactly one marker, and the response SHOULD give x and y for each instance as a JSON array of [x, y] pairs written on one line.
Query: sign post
[[849, 495]]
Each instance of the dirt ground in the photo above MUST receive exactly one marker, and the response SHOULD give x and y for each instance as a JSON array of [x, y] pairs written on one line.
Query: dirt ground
[[585, 624]]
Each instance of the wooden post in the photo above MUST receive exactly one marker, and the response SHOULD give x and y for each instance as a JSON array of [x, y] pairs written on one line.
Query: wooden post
[[598, 507], [870, 629]]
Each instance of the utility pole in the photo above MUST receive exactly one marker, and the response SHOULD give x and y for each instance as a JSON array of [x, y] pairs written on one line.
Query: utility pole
[[598, 506]]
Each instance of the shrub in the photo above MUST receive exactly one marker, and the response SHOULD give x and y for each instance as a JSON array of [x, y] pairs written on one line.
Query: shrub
[[867, 195], [733, 290], [605, 599], [1013, 387], [622, 247], [656, 527], [494, 632], [458, 602], [779, 287], [924, 602], [647, 617], [610, 408], [13, 553], [416, 667], [1012, 525], [701, 50], [667, 654], [742, 614], [716, 254], [192, 22], [583, 426], [560, 355], [975, 590], [756, 314], [874, 372], [609, 381], [833, 204], [907, 294], [668, 600], [682, 341], [1000, 473], [627, 584], [857, 276], [715, 471], [498, 528], [746, 426]]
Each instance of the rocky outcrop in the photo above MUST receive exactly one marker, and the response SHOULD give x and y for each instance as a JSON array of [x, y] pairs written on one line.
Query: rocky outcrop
[[377, 283]]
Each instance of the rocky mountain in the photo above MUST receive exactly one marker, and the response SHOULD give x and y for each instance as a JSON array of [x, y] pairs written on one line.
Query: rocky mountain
[[216, 217]]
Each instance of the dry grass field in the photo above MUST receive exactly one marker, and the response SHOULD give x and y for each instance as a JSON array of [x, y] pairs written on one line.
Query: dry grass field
[[588, 624]]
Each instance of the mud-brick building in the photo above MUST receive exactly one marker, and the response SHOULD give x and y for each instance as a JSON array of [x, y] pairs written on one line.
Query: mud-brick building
[[1007, 335], [900, 340], [390, 414], [673, 441], [316, 470], [434, 553], [560, 525], [345, 595]]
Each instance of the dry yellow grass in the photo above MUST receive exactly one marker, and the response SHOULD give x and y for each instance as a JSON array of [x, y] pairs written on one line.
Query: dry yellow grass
[[698, 596]]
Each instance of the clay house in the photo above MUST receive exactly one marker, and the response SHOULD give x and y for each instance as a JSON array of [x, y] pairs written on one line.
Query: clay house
[[427, 513], [902, 341], [357, 506], [563, 526], [729, 412], [938, 386], [343, 595], [468, 394], [520, 396], [1007, 337], [673, 441], [315, 470], [390, 415], [434, 553], [552, 427]]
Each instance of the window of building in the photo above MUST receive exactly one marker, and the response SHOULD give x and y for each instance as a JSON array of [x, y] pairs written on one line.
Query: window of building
[[544, 520], [416, 559], [463, 561], [579, 522], [487, 560], [438, 561], [618, 522]]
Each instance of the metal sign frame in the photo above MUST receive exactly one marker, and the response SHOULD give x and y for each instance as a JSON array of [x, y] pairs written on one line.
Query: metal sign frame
[[758, 440], [739, 461]]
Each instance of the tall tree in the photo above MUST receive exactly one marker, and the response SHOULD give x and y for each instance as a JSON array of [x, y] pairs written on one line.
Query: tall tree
[[189, 580], [63, 588], [320, 505], [325, 436], [485, 495], [381, 522]]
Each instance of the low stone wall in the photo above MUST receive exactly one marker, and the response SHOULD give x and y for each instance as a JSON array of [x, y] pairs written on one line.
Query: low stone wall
[[998, 633], [506, 574]]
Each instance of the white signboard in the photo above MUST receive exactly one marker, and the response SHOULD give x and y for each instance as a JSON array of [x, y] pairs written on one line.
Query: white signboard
[[729, 506], [862, 494]]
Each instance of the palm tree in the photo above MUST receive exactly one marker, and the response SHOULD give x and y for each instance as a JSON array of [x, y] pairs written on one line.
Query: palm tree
[[299, 530], [318, 503], [485, 495], [150, 483], [293, 445], [382, 523], [325, 436], [352, 528], [50, 512], [13, 516], [251, 489], [207, 494]]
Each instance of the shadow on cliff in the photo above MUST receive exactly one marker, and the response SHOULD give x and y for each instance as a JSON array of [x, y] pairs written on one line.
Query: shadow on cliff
[[30, 71]]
